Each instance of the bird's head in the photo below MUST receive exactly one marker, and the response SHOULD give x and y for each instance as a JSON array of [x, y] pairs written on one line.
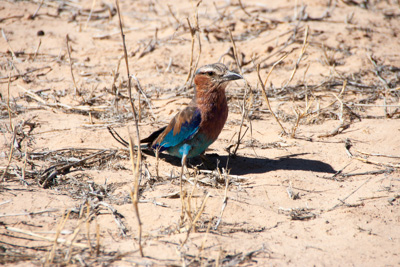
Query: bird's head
[[213, 76]]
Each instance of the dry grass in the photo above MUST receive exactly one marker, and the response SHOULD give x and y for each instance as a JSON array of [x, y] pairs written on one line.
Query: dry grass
[[288, 49]]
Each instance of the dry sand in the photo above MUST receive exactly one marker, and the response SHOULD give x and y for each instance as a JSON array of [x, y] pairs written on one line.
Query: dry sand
[[313, 197]]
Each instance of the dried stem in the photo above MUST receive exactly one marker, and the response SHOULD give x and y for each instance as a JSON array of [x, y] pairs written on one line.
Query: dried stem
[[55, 240], [136, 169], [59, 240], [77, 92], [265, 93], [192, 225], [244, 109], [12, 129], [194, 32], [302, 51], [90, 14], [224, 202], [37, 10], [9, 46]]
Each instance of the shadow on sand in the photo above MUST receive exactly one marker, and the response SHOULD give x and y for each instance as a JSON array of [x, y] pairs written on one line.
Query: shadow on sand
[[241, 165]]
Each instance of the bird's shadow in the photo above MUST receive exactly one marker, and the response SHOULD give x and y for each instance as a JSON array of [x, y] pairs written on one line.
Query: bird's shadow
[[242, 165]]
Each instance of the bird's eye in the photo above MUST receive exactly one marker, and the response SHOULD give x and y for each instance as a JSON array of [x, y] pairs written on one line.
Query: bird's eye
[[210, 73]]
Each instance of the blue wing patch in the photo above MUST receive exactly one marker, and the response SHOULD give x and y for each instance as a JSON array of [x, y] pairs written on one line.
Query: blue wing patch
[[187, 129]]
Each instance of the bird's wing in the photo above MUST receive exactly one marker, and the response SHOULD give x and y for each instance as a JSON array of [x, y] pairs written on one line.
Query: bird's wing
[[150, 139], [181, 128]]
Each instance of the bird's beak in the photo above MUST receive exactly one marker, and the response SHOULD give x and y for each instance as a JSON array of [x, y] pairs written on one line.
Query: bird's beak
[[230, 76]]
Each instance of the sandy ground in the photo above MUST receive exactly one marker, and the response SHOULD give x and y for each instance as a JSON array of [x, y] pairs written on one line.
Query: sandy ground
[[315, 196]]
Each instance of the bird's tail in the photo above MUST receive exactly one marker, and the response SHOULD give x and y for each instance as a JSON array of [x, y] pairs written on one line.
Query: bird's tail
[[122, 140]]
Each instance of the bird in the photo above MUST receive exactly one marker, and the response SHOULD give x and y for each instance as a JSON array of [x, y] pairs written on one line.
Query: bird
[[193, 129]]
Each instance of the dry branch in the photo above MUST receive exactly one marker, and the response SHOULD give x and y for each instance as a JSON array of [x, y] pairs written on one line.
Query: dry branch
[[59, 240], [265, 93], [77, 91], [28, 213], [244, 108], [136, 169]]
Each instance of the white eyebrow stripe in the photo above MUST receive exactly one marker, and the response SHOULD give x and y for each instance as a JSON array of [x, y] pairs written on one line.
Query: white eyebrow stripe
[[207, 69], [212, 68]]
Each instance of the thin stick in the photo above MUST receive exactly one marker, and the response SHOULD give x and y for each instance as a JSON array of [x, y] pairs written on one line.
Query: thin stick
[[173, 15], [59, 240], [244, 10], [194, 32], [88, 226], [302, 51], [385, 84], [129, 77], [90, 14], [366, 173], [8, 102], [136, 169], [28, 213], [378, 155], [265, 93], [9, 46], [55, 240], [77, 92], [144, 95], [97, 238], [224, 203], [391, 165], [13, 130], [37, 50], [300, 115], [201, 249], [37, 10], [244, 111], [135, 193], [74, 235], [198, 38], [196, 218], [344, 199], [27, 72]]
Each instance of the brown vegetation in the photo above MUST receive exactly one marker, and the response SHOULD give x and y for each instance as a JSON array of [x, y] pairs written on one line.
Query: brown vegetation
[[308, 162]]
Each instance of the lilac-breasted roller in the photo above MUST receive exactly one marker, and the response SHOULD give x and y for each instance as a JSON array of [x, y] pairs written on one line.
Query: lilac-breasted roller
[[198, 125]]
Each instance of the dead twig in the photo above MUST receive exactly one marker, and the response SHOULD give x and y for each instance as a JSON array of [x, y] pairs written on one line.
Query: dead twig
[[28, 213], [224, 203], [194, 32], [244, 109], [37, 10], [13, 131], [342, 201], [136, 169], [22, 75], [348, 145], [9, 46], [367, 173], [77, 91], [58, 240], [264, 93], [302, 51], [378, 155], [193, 223], [384, 82], [61, 168], [390, 165]]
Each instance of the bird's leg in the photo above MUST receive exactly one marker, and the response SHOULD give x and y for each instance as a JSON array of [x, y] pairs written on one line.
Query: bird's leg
[[157, 161], [184, 157]]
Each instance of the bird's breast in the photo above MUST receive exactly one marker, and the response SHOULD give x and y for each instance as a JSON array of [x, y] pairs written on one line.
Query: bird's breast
[[214, 112]]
